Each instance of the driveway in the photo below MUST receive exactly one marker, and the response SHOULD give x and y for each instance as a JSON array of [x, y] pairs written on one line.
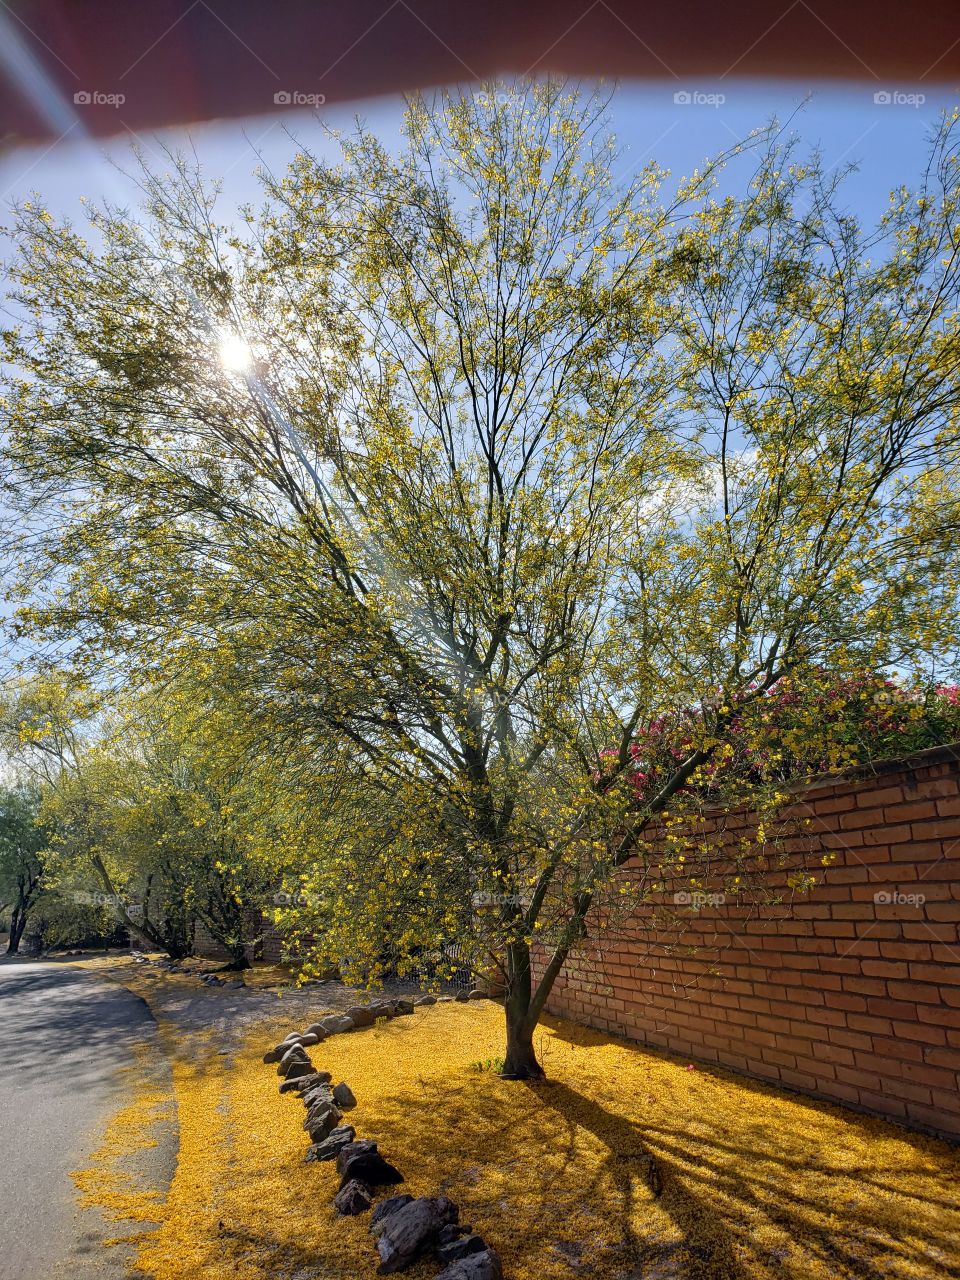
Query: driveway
[[65, 1037]]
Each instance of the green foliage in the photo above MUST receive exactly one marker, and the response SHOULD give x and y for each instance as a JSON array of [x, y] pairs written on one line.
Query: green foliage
[[488, 1064], [23, 857]]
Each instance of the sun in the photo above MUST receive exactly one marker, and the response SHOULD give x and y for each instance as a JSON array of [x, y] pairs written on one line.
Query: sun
[[235, 355]]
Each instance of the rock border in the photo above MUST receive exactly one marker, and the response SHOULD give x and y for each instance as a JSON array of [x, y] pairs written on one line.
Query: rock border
[[405, 1229]]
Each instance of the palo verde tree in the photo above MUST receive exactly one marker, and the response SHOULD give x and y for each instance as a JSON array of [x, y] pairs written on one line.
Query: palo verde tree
[[477, 461]]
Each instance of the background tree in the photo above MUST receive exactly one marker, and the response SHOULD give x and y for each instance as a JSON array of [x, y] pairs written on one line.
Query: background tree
[[479, 462], [23, 858]]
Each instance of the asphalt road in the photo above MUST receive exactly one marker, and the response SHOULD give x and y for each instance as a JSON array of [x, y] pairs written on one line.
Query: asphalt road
[[64, 1038]]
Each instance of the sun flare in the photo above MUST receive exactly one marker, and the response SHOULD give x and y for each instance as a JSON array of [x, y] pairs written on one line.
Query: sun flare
[[235, 354]]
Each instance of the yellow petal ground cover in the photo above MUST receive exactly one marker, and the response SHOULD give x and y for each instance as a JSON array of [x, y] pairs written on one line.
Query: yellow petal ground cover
[[756, 1183], [113, 1182]]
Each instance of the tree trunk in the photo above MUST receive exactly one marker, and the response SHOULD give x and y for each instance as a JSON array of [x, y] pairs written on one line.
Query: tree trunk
[[238, 956], [18, 922], [520, 1062]]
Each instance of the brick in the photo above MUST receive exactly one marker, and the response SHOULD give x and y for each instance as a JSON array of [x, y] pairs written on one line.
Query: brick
[[939, 1015], [835, 804], [857, 911], [843, 1000], [948, 1100], [905, 950], [797, 1079], [886, 968], [944, 911], [870, 798], [901, 1050], [908, 1091], [948, 1058], [939, 973], [859, 1078], [886, 835], [851, 1039], [931, 1118], [918, 852], [936, 1077], [910, 811], [875, 1026], [883, 1103], [886, 1008], [938, 829], [920, 1031]]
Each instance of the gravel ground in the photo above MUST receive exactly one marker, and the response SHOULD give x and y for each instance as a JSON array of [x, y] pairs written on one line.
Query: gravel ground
[[193, 1006]]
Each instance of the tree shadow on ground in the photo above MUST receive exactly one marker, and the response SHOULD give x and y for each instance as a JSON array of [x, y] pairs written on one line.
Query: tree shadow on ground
[[860, 1220]]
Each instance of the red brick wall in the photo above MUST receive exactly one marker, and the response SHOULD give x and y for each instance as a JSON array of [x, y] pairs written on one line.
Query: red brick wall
[[842, 993]]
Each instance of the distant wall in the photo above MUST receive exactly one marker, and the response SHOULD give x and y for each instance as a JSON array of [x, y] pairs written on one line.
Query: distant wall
[[852, 993], [269, 949]]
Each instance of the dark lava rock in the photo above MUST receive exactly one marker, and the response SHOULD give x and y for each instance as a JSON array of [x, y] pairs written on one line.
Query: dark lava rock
[[478, 1266], [454, 1250], [353, 1198], [384, 1209], [332, 1144]]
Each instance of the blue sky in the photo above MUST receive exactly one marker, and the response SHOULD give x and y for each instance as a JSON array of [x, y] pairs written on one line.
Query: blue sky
[[886, 138]]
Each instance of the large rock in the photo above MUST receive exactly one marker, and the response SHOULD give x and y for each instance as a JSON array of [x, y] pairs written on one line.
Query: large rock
[[317, 1029], [336, 1023], [461, 997], [294, 1054], [343, 1096], [362, 1144], [363, 1015], [367, 1166], [478, 1266], [404, 1006], [411, 1230], [352, 1198], [303, 1084], [308, 1039], [454, 1250], [320, 1077], [321, 1124], [297, 1069], [316, 1093], [293, 1085], [384, 1209], [320, 1108], [274, 1055], [332, 1144], [477, 994], [424, 1000]]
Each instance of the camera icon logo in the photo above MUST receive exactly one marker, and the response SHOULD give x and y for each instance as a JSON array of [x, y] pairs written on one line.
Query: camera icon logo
[[82, 98], [682, 98], [882, 97], [282, 98]]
